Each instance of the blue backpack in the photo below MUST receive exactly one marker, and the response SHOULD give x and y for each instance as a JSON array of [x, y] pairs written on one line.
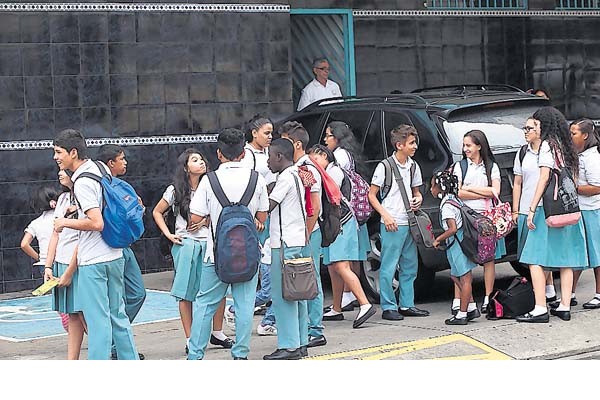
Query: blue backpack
[[236, 245], [122, 213]]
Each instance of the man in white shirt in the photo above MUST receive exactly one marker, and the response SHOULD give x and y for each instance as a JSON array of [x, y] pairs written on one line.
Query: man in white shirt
[[100, 266], [234, 178], [320, 87]]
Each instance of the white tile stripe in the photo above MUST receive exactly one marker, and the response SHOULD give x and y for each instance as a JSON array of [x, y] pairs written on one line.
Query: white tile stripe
[[122, 141], [475, 13], [169, 7]]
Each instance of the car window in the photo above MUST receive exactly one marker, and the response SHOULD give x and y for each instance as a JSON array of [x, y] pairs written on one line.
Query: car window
[[392, 119], [357, 120], [312, 124]]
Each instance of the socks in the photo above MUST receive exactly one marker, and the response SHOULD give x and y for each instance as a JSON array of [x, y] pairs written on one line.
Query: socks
[[331, 313], [461, 314], [219, 335], [363, 309], [187, 342], [347, 298], [550, 291], [572, 295], [486, 300], [472, 307], [455, 303], [562, 307], [538, 310]]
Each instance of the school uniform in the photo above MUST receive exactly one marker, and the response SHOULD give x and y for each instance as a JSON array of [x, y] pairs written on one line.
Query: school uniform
[[459, 263], [288, 218], [234, 179], [135, 292], [589, 174], [41, 229], [65, 299], [530, 174], [397, 248], [545, 246], [476, 176], [315, 306], [187, 257], [101, 279]]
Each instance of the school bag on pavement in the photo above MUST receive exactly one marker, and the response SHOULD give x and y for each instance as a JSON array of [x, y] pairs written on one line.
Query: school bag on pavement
[[516, 300], [359, 197], [560, 200], [236, 244], [330, 221], [122, 213], [479, 234]]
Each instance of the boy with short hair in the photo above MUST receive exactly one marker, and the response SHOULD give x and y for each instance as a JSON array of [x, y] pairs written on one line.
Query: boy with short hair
[[234, 178], [397, 245], [100, 266]]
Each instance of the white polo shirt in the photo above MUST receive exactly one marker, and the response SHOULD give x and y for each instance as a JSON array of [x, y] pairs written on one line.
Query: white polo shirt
[[315, 91], [343, 158], [546, 156], [449, 211], [180, 222], [92, 248], [530, 172], [41, 228], [234, 179], [293, 222], [68, 238], [589, 174], [476, 176], [316, 188], [257, 160], [393, 202]]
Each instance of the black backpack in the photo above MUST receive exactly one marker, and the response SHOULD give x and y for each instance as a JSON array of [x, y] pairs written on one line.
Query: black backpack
[[389, 177]]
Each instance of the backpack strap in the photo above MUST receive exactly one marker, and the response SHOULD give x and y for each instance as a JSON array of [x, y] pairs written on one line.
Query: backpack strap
[[413, 168], [250, 189], [253, 159], [218, 189], [464, 165], [400, 183], [388, 176], [522, 153]]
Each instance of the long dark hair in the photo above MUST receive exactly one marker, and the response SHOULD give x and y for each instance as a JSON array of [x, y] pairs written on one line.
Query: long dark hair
[[586, 125], [181, 181], [479, 138], [555, 130], [346, 140], [43, 196]]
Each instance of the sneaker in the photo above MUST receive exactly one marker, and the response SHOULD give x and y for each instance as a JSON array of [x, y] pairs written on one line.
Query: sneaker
[[229, 317], [266, 330]]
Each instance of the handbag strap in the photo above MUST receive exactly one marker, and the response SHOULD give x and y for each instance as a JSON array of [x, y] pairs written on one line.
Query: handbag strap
[[281, 250], [400, 183]]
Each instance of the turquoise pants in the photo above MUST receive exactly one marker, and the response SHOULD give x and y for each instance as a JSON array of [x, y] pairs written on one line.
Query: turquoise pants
[[397, 249], [315, 306], [291, 316], [135, 293], [212, 291], [103, 307]]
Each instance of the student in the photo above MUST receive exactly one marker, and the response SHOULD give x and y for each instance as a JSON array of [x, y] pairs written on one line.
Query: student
[[288, 234], [295, 132], [100, 266], [234, 179], [62, 263], [444, 185], [397, 245], [340, 139], [135, 294], [480, 184], [587, 144], [338, 255], [545, 246], [189, 242]]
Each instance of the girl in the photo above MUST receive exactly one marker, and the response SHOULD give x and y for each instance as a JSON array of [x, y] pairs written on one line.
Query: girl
[[340, 139], [477, 186], [62, 262], [343, 250], [444, 185], [587, 144], [545, 246], [189, 242]]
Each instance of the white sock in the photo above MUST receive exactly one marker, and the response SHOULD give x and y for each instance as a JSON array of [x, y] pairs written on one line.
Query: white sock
[[187, 342], [572, 295], [562, 307], [538, 310], [486, 300], [347, 298], [363, 309], [550, 291], [461, 314], [219, 335], [472, 307], [455, 303], [331, 313]]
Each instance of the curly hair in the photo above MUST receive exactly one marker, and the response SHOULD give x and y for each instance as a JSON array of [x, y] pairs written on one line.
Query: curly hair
[[555, 130], [446, 181]]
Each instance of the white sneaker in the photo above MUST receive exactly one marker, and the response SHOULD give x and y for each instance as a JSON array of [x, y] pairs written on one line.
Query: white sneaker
[[266, 330], [229, 318]]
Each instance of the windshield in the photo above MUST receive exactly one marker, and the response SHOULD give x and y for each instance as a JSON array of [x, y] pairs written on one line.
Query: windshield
[[502, 127]]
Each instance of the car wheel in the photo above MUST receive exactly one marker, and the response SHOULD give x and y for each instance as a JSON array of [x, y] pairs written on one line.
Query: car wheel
[[521, 269], [369, 271]]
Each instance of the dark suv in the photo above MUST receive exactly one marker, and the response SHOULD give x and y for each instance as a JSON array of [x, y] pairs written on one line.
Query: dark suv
[[441, 115]]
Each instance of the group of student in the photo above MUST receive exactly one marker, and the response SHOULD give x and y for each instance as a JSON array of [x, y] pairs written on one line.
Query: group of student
[[100, 287]]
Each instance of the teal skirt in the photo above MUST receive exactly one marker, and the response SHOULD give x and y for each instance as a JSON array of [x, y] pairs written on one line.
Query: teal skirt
[[500, 249], [66, 299], [187, 260], [364, 243], [591, 223], [554, 247], [345, 247], [522, 232], [459, 263]]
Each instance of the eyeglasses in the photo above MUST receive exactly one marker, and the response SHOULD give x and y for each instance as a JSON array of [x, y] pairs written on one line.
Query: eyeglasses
[[328, 136], [528, 128], [323, 68]]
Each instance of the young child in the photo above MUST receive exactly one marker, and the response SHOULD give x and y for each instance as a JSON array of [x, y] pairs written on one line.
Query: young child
[[189, 240], [444, 185], [397, 245]]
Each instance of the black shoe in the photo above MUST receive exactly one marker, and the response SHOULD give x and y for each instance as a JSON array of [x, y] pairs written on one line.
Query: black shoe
[[187, 351], [591, 306], [471, 315], [304, 351], [240, 358], [141, 356], [484, 308], [327, 308], [113, 356], [226, 344], [413, 312], [556, 303], [454, 311], [336, 317], [457, 321], [392, 315], [564, 315], [284, 354], [550, 299], [527, 317], [262, 310], [348, 307], [314, 341], [362, 319]]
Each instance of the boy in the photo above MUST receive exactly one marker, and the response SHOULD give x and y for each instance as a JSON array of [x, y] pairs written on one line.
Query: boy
[[397, 245], [114, 157], [100, 266], [234, 179], [295, 132]]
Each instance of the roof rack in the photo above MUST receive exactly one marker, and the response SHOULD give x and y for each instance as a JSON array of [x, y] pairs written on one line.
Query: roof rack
[[464, 89], [395, 98]]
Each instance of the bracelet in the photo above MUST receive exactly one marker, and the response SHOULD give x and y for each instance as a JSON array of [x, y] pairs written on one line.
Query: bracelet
[[533, 211], [48, 268], [515, 212]]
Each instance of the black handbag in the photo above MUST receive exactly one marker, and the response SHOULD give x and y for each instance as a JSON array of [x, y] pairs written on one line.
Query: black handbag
[[560, 199], [517, 299]]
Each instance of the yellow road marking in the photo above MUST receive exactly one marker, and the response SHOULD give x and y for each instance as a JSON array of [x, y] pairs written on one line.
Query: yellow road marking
[[396, 349]]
